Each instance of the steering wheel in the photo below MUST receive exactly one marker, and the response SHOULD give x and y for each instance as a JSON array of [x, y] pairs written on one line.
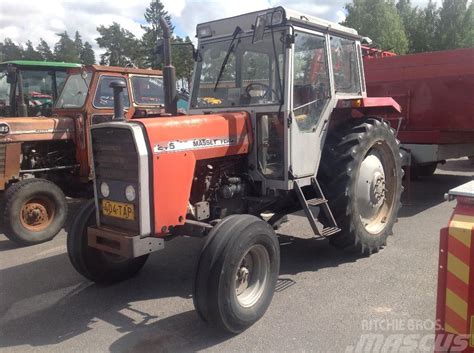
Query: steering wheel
[[253, 86]]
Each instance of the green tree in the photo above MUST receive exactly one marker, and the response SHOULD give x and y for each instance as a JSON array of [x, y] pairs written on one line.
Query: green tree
[[78, 43], [87, 54], [451, 29], [182, 56], [65, 49], [423, 35], [409, 16], [379, 20], [121, 47], [30, 53], [45, 51], [10, 51], [153, 32], [467, 39]]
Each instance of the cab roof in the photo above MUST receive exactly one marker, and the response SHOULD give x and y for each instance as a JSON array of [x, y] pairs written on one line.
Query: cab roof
[[225, 26], [42, 64], [122, 70]]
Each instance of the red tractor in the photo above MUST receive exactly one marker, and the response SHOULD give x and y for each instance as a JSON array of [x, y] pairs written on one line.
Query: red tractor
[[279, 121]]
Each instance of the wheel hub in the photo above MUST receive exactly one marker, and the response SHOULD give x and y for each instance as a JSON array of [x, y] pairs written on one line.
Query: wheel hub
[[377, 190], [375, 185], [251, 275], [242, 280], [36, 215]]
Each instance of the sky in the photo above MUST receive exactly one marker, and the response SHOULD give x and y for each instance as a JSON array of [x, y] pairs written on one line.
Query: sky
[[23, 20]]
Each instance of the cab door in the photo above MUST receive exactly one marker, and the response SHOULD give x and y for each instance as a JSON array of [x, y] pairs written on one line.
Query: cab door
[[311, 102]]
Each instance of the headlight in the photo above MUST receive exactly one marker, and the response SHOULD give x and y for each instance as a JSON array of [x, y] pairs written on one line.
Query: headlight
[[104, 189], [130, 193]]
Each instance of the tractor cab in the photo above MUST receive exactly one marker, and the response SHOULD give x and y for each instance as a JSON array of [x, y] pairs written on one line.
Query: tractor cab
[[288, 71], [30, 88]]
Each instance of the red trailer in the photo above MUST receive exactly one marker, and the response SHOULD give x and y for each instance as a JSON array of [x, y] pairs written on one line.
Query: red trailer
[[436, 93]]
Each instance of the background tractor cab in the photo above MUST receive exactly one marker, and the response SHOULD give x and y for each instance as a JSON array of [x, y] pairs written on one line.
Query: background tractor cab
[[288, 71], [30, 88], [42, 159]]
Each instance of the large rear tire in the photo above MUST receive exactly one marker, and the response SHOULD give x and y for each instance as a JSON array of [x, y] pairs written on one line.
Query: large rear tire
[[237, 273], [34, 211], [96, 265], [362, 175]]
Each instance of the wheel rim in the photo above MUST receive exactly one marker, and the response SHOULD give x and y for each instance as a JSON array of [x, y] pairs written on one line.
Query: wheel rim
[[37, 213], [251, 276], [375, 187]]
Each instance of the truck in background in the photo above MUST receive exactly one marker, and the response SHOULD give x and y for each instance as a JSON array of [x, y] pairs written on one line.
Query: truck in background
[[436, 93]]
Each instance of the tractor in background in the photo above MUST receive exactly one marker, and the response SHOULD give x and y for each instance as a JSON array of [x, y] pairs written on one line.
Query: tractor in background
[[45, 159]]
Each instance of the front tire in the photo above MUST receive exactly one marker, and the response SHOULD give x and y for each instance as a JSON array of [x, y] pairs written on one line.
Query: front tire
[[237, 273], [34, 211], [362, 179], [96, 265]]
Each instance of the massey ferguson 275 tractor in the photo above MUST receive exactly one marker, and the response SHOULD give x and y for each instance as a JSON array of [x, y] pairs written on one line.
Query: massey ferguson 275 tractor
[[279, 121]]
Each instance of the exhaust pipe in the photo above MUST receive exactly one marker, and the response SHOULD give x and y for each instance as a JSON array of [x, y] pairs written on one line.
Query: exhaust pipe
[[118, 87], [169, 72]]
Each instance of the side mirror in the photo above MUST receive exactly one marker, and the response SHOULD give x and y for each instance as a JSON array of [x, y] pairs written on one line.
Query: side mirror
[[259, 28]]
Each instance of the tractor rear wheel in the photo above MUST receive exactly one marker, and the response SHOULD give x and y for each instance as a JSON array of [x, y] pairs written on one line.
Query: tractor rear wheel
[[98, 266], [362, 175], [34, 211], [237, 273]]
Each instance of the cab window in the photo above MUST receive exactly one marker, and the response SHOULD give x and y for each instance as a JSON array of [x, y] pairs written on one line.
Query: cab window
[[311, 88], [148, 90], [104, 95], [344, 64]]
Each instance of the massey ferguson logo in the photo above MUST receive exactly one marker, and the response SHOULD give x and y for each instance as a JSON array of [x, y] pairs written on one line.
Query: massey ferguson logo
[[175, 146], [4, 129], [212, 142]]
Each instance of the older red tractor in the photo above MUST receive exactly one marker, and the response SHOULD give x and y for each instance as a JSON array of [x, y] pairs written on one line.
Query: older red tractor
[[279, 121]]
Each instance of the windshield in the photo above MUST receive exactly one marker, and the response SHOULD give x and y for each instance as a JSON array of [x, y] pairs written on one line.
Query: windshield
[[74, 92], [248, 78], [148, 90]]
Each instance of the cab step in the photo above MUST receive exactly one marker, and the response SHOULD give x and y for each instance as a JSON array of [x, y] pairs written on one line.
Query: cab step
[[321, 203]]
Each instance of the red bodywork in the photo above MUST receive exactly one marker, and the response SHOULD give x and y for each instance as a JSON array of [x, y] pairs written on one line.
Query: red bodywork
[[435, 91], [177, 144]]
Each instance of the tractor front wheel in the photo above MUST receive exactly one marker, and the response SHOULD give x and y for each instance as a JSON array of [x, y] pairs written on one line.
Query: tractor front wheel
[[237, 273], [98, 266], [34, 211], [362, 179]]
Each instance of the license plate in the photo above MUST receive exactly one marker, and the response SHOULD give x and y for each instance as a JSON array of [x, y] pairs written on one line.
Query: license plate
[[118, 210]]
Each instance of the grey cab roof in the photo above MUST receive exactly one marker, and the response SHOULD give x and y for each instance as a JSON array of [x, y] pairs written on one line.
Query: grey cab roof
[[226, 26]]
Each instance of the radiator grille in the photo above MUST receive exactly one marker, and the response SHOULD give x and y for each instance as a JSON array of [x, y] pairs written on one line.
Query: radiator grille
[[116, 163]]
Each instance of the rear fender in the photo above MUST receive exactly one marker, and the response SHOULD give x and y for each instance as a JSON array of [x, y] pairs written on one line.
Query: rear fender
[[379, 106]]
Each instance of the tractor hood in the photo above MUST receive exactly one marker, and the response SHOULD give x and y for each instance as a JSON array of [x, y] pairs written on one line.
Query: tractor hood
[[23, 129]]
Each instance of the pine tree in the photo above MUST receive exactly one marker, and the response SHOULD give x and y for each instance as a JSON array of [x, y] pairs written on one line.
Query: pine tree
[[87, 54], [30, 53], [79, 46], [45, 51], [153, 32], [10, 51], [121, 47], [65, 49]]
